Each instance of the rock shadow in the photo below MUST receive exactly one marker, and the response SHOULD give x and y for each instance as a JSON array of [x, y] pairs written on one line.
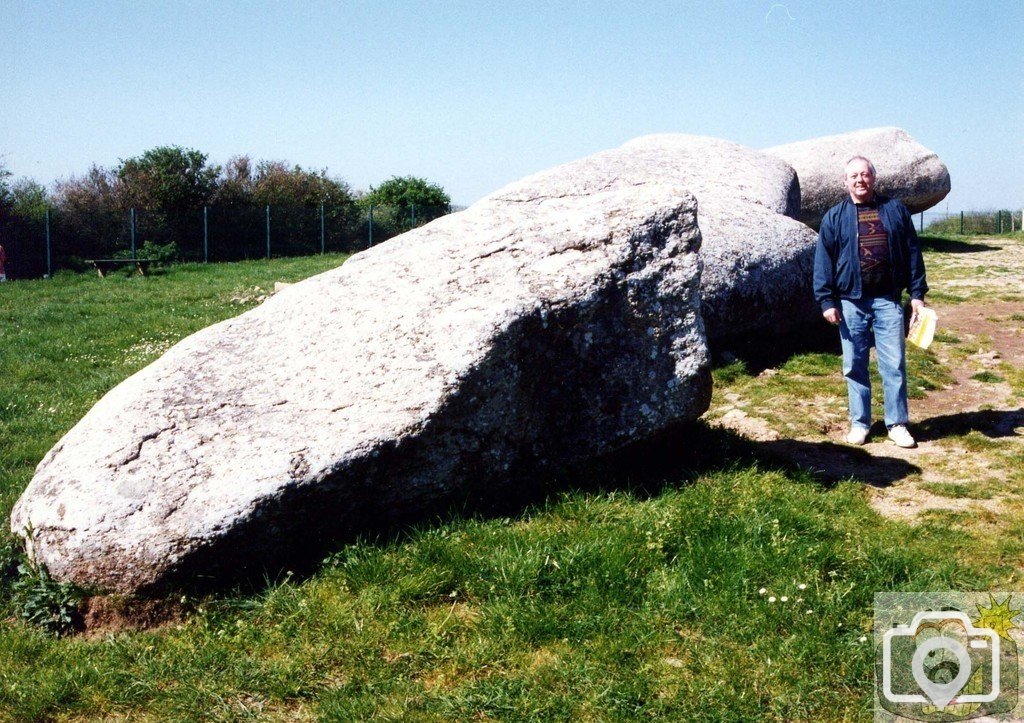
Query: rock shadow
[[760, 351], [953, 246], [671, 459]]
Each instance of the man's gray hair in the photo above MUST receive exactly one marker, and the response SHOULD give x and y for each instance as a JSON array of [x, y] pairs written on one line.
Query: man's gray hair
[[871, 166]]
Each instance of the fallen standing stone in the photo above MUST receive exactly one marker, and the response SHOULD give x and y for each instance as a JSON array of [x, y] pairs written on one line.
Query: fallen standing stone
[[516, 338]]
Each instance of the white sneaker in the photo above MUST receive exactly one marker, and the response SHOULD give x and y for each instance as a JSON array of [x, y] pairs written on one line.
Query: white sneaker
[[857, 435], [901, 437]]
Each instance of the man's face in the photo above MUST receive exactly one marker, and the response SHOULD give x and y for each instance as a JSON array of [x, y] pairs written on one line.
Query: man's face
[[860, 181]]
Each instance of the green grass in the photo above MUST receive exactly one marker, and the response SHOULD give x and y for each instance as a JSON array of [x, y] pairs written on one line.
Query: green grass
[[606, 606], [954, 490], [730, 373], [925, 372], [814, 364], [946, 297], [605, 603], [988, 377]]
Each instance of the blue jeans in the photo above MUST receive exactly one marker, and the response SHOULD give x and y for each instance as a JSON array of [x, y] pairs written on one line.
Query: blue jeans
[[878, 320]]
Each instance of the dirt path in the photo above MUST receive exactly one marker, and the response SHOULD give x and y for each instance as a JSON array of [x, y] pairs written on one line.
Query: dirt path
[[970, 432]]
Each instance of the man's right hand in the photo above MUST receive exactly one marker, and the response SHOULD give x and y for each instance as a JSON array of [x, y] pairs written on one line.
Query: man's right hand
[[832, 315]]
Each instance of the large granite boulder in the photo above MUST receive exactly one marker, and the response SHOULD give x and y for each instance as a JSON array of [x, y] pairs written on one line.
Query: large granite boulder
[[758, 270], [757, 259], [533, 331], [906, 169], [712, 169]]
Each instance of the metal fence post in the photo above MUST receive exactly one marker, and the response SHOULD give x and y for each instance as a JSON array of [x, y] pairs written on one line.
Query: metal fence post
[[49, 270], [268, 231], [921, 223], [322, 229], [206, 236], [131, 231], [369, 241], [961, 223]]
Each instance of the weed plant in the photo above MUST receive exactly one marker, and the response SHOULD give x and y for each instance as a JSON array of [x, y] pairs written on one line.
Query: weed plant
[[44, 602]]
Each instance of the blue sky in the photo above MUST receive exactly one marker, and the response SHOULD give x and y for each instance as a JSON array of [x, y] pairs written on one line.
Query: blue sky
[[473, 95]]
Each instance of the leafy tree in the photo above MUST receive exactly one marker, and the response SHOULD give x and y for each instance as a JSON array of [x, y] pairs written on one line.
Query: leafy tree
[[236, 182], [28, 199], [295, 196], [168, 181], [275, 183], [95, 192], [298, 194], [403, 202], [404, 192], [5, 193], [90, 219]]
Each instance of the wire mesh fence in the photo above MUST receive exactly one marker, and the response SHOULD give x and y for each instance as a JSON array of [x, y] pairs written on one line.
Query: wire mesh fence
[[969, 222], [56, 240]]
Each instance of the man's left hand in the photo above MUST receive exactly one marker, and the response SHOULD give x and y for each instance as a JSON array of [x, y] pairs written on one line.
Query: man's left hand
[[915, 305]]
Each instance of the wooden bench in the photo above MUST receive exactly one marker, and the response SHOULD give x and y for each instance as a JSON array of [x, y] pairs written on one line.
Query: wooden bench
[[103, 266]]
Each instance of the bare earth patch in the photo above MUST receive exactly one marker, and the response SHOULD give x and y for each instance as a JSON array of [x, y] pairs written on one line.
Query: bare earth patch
[[970, 432], [104, 614]]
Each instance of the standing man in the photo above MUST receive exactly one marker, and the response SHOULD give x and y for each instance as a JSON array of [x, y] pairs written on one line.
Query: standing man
[[867, 254]]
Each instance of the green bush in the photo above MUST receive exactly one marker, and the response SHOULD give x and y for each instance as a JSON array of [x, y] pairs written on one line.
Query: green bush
[[160, 253]]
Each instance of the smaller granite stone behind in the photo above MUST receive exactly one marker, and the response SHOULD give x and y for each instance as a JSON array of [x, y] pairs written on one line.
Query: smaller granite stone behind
[[906, 169]]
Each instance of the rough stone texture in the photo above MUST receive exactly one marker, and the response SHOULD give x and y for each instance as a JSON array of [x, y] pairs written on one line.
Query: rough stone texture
[[709, 168], [758, 268], [537, 329], [757, 259], [906, 169]]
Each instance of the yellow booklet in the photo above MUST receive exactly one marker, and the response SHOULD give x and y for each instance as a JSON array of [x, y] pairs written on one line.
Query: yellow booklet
[[922, 331]]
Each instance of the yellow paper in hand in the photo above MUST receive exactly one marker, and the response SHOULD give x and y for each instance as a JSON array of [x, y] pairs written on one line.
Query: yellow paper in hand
[[922, 331]]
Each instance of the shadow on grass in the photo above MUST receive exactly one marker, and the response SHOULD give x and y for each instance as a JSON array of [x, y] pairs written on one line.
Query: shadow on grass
[[673, 459], [994, 424], [680, 456], [829, 462], [946, 245], [762, 351]]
